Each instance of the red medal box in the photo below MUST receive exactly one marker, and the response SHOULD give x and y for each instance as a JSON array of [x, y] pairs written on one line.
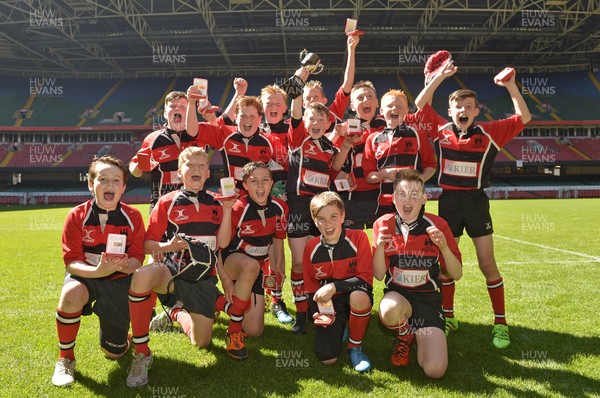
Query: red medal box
[[323, 319], [505, 75]]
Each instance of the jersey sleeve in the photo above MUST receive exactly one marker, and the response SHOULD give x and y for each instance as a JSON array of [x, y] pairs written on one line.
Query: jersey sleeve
[[157, 224], [236, 214], [339, 104], [364, 266], [426, 149], [296, 134], [377, 225], [212, 135], [442, 225], [136, 246], [504, 130], [145, 150], [72, 236], [425, 116], [369, 163], [311, 284], [281, 220]]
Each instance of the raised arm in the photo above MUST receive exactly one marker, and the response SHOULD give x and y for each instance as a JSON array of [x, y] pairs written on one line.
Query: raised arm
[[297, 108], [426, 95], [519, 103], [191, 117], [352, 42], [241, 86]]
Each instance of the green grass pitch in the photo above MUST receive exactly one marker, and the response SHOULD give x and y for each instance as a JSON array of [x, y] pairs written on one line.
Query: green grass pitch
[[548, 252]]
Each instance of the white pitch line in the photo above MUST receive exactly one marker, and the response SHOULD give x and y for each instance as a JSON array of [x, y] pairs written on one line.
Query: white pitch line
[[541, 261], [549, 247]]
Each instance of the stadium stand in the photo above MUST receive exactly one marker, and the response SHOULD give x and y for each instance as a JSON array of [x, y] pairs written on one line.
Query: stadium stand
[[590, 147], [45, 138]]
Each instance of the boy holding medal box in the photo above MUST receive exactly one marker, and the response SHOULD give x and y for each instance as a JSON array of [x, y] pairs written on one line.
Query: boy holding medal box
[[338, 280]]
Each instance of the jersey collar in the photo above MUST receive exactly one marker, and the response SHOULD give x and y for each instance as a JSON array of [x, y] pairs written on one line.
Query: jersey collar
[[202, 196], [98, 210]]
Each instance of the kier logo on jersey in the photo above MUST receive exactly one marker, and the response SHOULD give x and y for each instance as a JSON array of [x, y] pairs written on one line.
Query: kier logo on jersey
[[163, 154], [87, 238], [445, 140], [410, 278], [180, 216], [460, 169], [256, 250], [316, 179], [235, 148]]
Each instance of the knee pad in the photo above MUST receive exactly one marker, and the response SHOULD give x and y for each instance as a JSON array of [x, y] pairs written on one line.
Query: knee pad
[[113, 339]]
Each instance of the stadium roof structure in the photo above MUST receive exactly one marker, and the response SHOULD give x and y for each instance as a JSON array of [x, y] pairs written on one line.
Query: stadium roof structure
[[165, 38]]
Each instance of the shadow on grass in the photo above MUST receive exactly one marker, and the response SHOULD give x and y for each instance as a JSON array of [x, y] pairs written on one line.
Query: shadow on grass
[[282, 364], [536, 360]]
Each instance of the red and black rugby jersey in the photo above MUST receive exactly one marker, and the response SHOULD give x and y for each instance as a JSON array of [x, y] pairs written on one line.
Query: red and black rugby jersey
[[279, 164], [350, 257], [279, 130], [412, 259], [309, 170], [184, 212], [465, 159], [238, 150], [164, 152], [405, 146], [84, 238], [354, 162], [255, 226]]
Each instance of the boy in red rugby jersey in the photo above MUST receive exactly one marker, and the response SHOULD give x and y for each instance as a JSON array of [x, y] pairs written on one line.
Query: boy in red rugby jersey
[[93, 276], [192, 212], [403, 143], [466, 151], [338, 270], [239, 145], [258, 224], [410, 248], [311, 155]]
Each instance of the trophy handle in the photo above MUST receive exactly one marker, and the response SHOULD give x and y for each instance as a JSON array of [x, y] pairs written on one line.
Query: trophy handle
[[303, 54], [318, 69]]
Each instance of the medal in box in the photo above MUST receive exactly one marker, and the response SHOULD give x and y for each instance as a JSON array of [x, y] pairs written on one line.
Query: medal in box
[[116, 245]]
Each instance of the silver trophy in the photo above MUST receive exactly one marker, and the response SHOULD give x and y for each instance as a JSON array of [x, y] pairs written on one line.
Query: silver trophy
[[311, 62]]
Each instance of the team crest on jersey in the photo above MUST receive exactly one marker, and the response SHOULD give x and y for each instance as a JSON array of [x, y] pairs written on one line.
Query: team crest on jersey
[[215, 216], [163, 154], [445, 140], [179, 215], [352, 266], [428, 246], [479, 142], [87, 237], [264, 156], [235, 148]]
